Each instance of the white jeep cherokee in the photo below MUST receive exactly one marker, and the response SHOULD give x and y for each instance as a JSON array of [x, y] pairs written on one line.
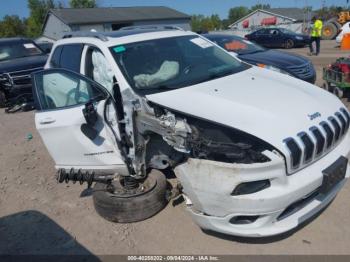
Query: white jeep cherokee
[[256, 152]]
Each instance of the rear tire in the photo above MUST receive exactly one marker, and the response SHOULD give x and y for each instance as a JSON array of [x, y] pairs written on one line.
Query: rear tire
[[289, 44], [340, 93], [329, 31], [2, 99], [117, 208]]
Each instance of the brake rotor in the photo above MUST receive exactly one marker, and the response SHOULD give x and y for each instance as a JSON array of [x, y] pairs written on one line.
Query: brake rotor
[[119, 189]]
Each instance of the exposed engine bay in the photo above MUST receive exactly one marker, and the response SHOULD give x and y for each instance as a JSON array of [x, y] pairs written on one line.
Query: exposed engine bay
[[161, 139]]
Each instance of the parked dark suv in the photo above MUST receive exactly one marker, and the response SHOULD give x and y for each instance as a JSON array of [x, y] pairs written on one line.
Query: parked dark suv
[[19, 57]]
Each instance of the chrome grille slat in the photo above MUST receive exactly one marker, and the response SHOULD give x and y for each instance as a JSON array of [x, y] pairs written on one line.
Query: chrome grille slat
[[295, 151], [329, 133], [347, 116], [342, 121], [320, 140], [308, 146], [336, 128], [317, 141]]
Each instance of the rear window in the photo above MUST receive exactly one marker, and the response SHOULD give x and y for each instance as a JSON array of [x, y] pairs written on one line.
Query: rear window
[[71, 57], [13, 50], [67, 57]]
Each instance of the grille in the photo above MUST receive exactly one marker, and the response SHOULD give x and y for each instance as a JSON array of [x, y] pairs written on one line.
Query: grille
[[302, 71], [308, 146], [18, 77]]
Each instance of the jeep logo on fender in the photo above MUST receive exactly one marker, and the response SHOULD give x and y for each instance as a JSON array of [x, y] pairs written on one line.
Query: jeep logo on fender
[[314, 115]]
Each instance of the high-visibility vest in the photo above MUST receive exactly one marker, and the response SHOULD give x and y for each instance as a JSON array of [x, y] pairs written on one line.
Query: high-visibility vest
[[316, 30]]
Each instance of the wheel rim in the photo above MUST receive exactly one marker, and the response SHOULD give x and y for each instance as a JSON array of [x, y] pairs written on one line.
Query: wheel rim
[[327, 32], [119, 190], [289, 43]]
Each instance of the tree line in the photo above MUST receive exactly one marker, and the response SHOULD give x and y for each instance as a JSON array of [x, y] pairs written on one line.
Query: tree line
[[13, 25]]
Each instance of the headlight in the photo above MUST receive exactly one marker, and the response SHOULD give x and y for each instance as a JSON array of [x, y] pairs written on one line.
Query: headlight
[[273, 68], [299, 38]]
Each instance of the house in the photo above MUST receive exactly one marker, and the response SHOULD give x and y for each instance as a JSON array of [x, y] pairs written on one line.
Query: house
[[296, 18], [60, 21]]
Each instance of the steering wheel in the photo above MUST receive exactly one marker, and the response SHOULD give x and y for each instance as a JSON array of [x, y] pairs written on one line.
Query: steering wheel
[[77, 95], [187, 69]]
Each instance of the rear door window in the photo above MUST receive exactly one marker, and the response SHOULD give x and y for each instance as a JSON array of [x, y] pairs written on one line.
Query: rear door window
[[71, 57], [56, 56]]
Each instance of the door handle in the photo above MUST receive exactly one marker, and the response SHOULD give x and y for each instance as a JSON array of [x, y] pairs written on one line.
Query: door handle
[[47, 121]]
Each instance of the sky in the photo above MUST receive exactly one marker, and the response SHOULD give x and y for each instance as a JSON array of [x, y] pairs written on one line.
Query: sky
[[205, 7]]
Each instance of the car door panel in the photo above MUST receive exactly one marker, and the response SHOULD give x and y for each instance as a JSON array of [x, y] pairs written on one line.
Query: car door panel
[[61, 128]]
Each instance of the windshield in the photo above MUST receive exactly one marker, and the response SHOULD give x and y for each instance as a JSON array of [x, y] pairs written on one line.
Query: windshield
[[236, 44], [168, 63], [14, 50]]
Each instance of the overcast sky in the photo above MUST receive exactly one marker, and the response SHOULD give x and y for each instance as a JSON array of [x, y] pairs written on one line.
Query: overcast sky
[[206, 7]]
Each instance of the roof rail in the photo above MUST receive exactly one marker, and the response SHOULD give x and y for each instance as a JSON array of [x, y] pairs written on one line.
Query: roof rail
[[86, 34], [150, 27]]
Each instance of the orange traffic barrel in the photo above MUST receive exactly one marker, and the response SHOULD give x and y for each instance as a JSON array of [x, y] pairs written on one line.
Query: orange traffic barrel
[[345, 42]]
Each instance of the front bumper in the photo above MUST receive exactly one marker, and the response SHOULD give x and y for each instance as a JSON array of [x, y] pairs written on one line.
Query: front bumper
[[208, 186]]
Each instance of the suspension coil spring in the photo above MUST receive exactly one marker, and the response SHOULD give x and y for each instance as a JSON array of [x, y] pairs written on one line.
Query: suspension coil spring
[[75, 176]]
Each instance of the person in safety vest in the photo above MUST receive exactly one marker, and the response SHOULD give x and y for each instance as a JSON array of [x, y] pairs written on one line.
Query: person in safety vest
[[316, 33]]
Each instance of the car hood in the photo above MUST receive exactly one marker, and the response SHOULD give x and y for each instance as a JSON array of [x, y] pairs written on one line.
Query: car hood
[[274, 58], [263, 103], [23, 63]]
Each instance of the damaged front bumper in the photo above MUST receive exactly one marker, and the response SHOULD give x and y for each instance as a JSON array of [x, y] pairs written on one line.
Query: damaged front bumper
[[283, 205]]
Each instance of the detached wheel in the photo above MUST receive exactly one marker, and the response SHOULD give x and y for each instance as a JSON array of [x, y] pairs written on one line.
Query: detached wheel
[[132, 205], [2, 99], [289, 44]]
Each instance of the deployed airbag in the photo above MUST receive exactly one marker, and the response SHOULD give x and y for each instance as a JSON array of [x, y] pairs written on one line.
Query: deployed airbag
[[167, 71], [102, 72]]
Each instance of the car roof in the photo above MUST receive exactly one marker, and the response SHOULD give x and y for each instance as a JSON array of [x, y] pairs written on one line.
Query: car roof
[[121, 36]]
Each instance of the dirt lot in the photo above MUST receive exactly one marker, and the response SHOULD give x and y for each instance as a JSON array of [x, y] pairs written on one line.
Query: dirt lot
[[39, 216]]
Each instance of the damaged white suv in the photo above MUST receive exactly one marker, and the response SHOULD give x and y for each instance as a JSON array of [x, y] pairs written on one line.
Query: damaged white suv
[[256, 152]]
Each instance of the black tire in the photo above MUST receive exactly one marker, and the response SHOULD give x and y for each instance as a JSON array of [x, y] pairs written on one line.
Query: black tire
[[2, 99], [329, 87], [135, 208], [329, 31], [340, 93], [289, 44]]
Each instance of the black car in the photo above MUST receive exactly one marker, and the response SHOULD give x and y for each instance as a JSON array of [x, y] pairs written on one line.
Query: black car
[[278, 37], [19, 57], [45, 46], [283, 62]]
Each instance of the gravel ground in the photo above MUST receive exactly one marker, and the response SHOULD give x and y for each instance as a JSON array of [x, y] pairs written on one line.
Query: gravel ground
[[39, 216]]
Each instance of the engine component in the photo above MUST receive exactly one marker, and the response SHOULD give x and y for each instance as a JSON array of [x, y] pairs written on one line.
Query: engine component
[[213, 142], [172, 129]]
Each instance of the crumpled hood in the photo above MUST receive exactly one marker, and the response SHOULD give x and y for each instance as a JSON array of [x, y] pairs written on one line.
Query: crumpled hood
[[266, 104]]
